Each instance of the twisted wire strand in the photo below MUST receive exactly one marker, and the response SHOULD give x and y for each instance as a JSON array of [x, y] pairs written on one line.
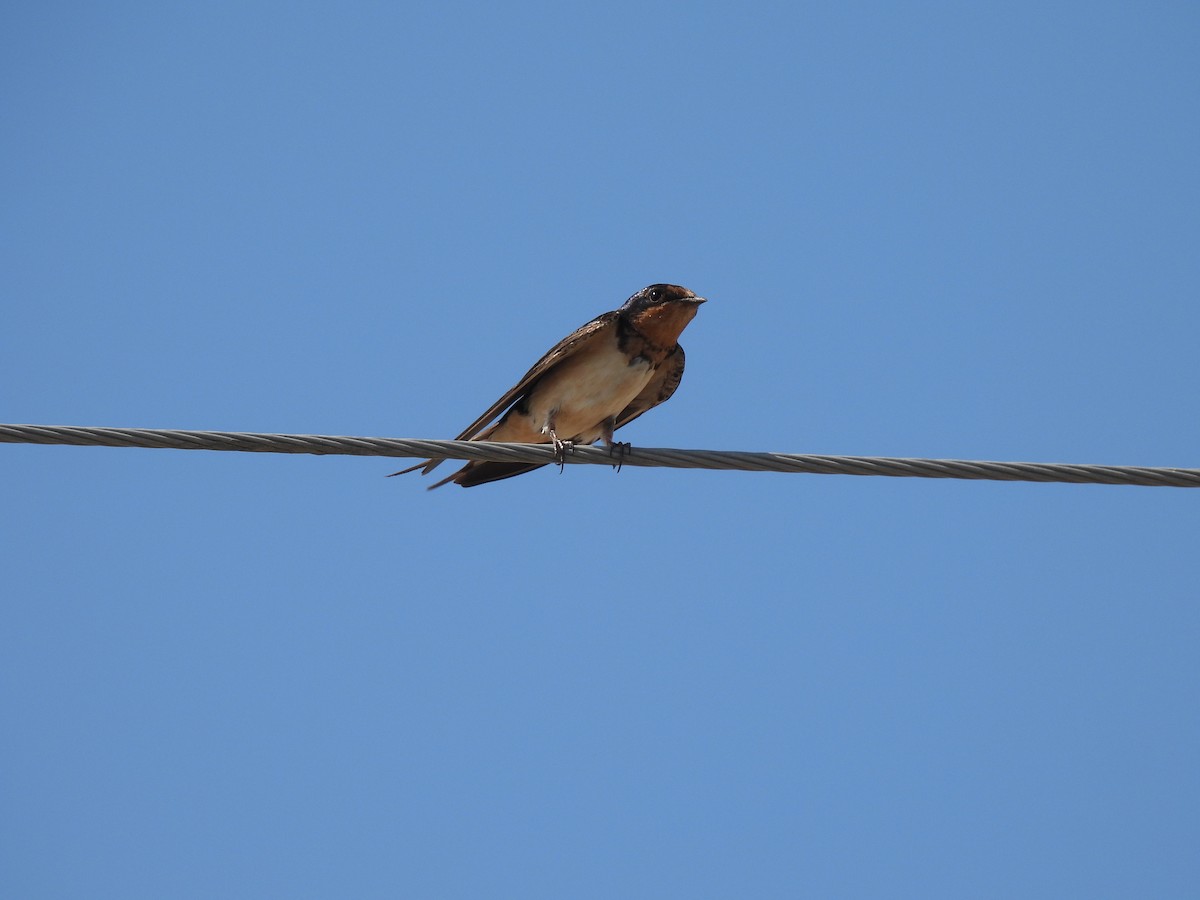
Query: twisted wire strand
[[329, 445], [811, 463]]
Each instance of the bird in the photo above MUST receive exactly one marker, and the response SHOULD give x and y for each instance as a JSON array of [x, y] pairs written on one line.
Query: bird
[[601, 376]]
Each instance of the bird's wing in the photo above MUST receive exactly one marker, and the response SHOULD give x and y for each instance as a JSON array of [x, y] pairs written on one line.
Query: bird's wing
[[567, 347], [658, 389]]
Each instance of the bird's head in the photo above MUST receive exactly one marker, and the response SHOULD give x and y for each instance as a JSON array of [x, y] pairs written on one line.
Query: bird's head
[[661, 295], [661, 312]]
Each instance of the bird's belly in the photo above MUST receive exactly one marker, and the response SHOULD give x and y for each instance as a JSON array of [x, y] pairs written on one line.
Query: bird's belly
[[585, 390]]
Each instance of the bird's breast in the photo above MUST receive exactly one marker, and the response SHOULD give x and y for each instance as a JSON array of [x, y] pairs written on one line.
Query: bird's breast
[[587, 388]]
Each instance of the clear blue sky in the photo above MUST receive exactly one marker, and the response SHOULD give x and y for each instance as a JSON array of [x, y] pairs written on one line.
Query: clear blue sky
[[924, 229]]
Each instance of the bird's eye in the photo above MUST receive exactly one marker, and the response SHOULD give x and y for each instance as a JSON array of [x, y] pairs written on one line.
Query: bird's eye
[[655, 294]]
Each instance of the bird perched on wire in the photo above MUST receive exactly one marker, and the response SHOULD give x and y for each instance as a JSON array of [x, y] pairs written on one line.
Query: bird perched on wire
[[599, 377]]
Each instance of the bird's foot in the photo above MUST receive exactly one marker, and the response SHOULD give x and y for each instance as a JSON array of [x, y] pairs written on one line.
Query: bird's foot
[[561, 448], [620, 449]]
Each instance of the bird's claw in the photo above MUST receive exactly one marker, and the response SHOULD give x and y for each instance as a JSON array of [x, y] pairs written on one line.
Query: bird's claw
[[561, 448], [620, 449]]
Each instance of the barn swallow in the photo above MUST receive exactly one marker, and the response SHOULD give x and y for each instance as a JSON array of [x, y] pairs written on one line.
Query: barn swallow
[[599, 377]]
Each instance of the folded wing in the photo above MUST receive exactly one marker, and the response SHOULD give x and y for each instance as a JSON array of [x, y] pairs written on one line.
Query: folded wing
[[564, 349]]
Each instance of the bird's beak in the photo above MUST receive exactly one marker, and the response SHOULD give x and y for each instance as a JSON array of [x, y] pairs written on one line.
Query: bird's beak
[[698, 300]]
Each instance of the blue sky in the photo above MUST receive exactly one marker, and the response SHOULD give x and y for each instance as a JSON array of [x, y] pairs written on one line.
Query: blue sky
[[925, 230]]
